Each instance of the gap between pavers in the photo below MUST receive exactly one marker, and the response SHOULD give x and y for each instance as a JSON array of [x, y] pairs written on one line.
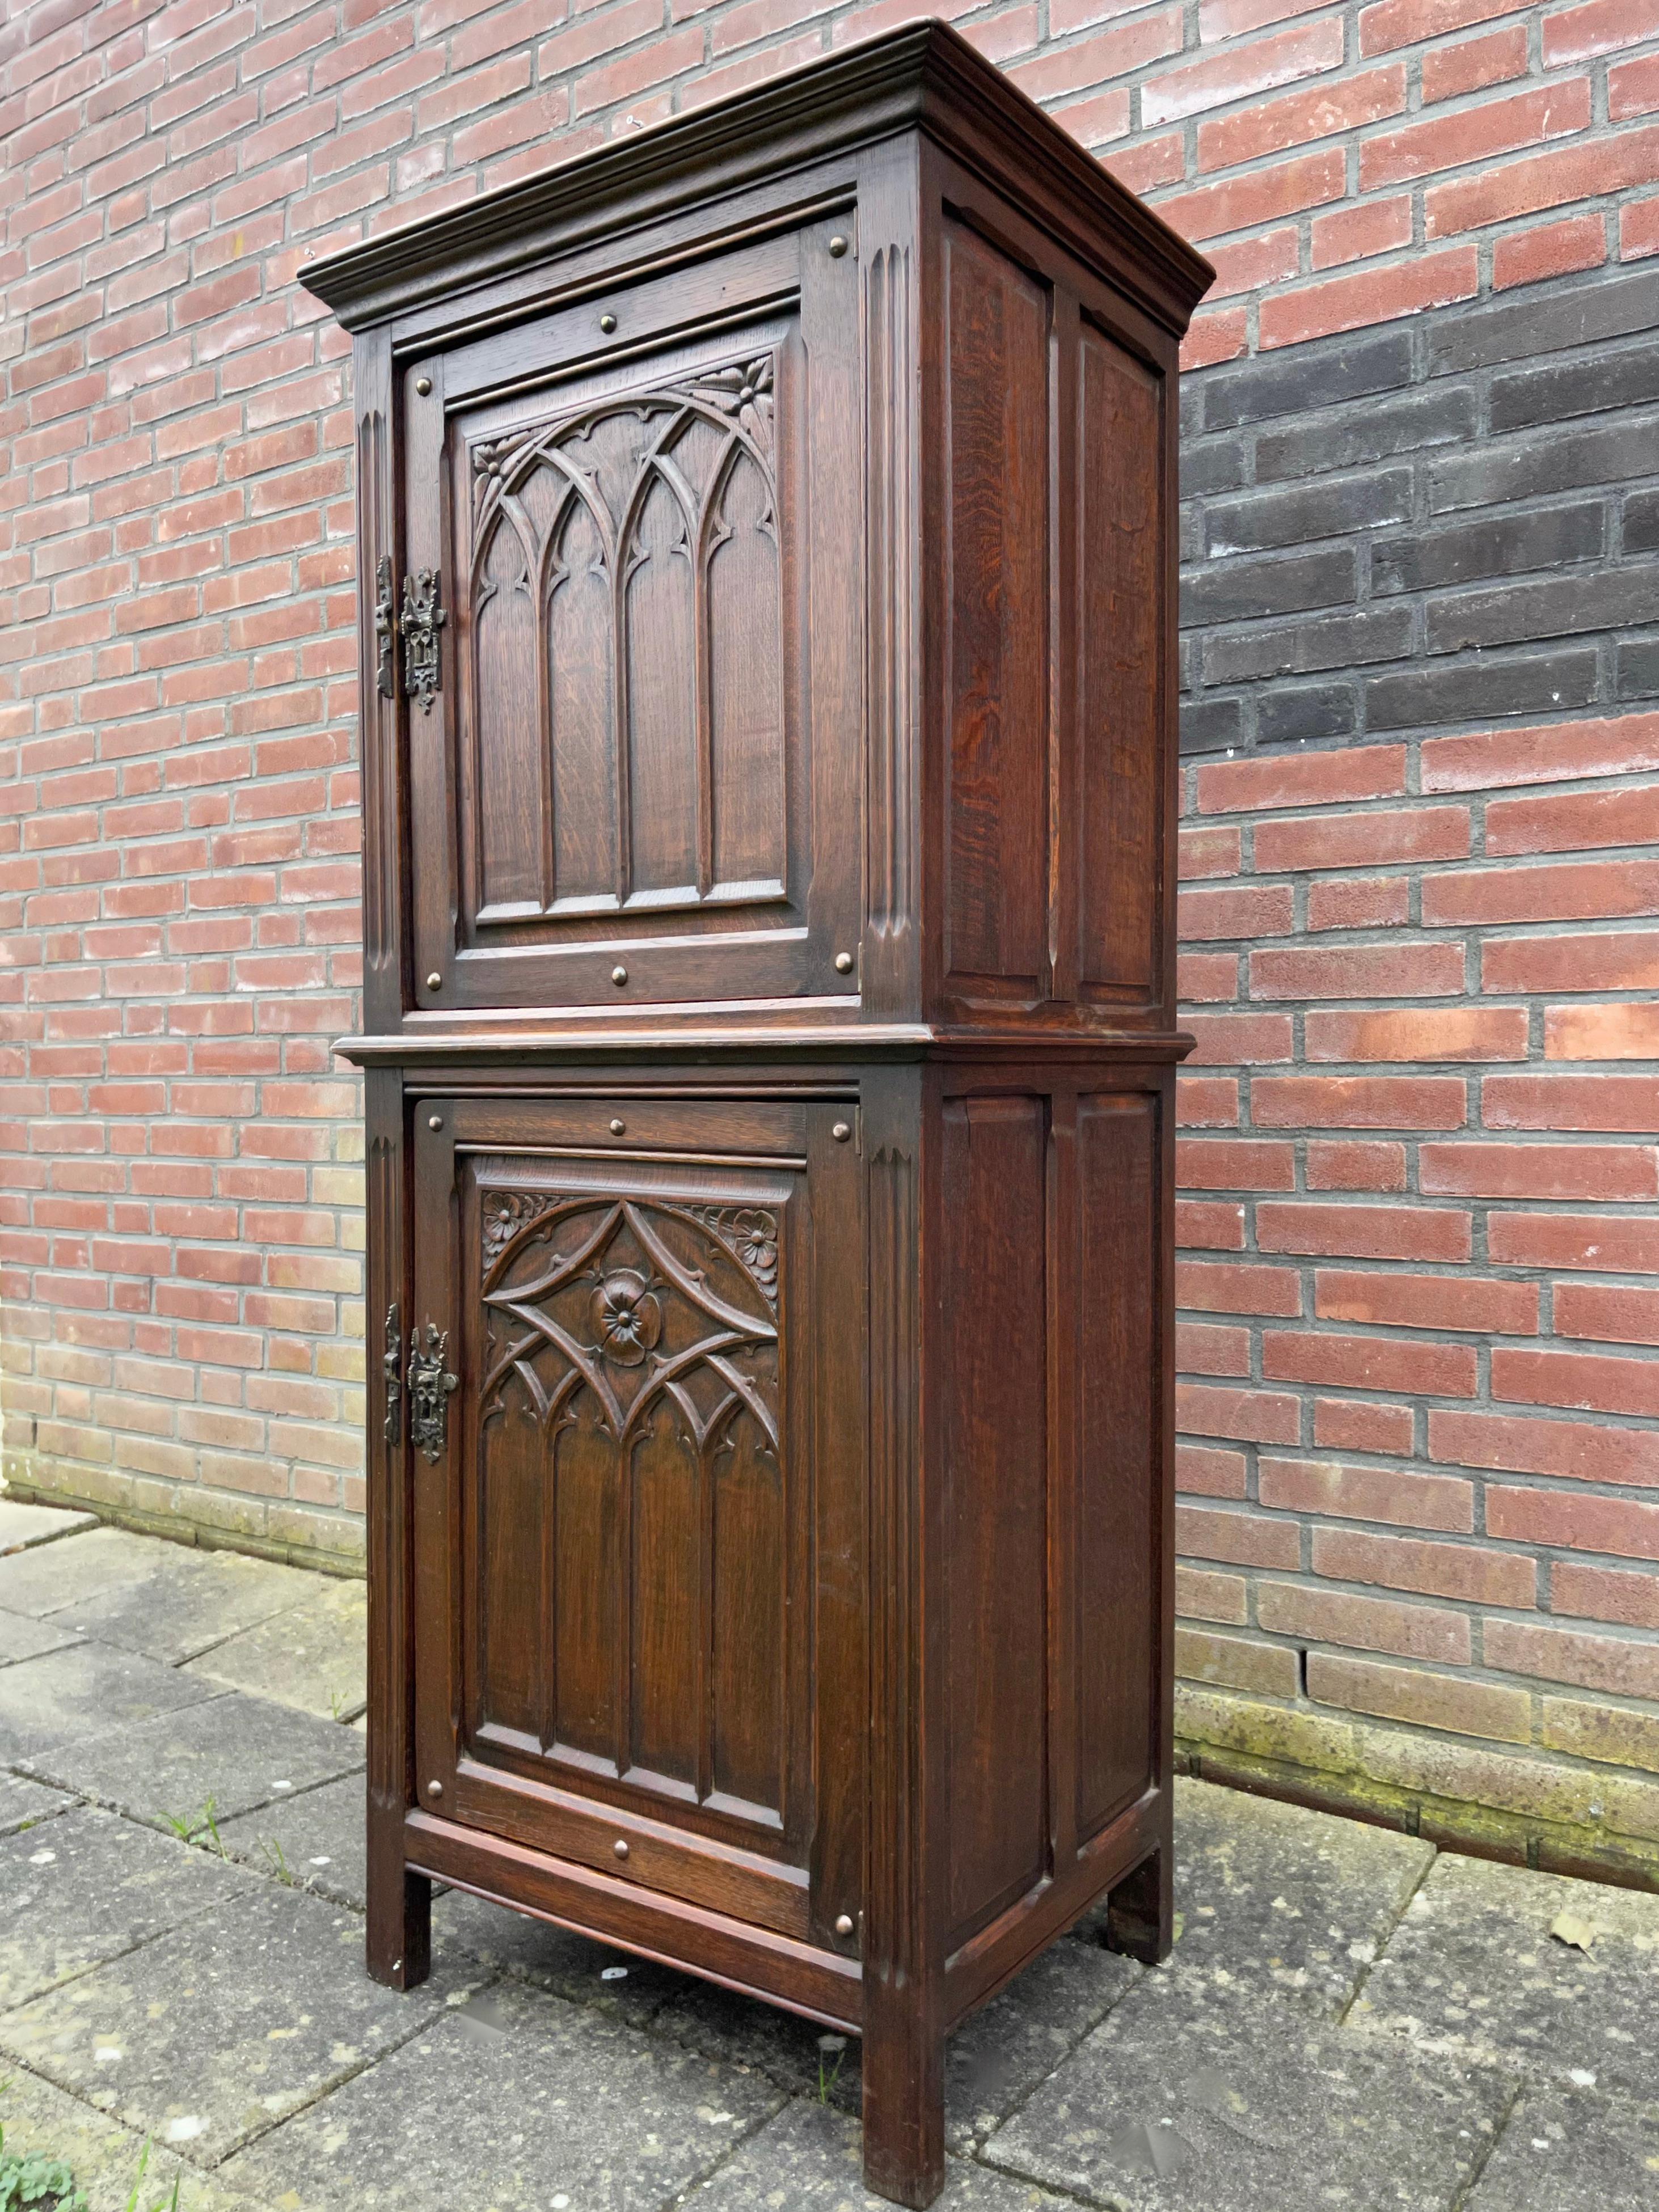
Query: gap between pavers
[[22, 1527]]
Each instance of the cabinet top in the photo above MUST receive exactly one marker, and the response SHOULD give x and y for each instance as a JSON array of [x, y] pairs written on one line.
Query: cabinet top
[[924, 77]]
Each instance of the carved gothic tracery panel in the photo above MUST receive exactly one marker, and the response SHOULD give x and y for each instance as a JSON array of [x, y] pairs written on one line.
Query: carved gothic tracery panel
[[626, 578]]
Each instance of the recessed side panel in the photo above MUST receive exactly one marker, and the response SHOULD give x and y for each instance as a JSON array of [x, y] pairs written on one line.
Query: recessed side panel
[[996, 659], [992, 1177], [1118, 668], [1115, 1570]]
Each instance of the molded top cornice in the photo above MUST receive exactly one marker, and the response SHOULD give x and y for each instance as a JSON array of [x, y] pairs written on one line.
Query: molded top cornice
[[925, 77]]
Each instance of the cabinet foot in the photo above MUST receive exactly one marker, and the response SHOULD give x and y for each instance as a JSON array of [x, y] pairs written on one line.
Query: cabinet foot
[[399, 1938], [903, 2114], [1140, 1910]]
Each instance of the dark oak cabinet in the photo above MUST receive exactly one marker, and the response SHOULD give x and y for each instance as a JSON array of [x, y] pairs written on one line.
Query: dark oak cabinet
[[767, 558]]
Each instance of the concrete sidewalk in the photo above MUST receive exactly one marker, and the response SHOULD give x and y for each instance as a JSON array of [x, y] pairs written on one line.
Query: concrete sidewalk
[[1349, 2020]]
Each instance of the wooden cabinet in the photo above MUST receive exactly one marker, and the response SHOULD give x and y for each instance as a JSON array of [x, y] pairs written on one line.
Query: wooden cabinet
[[767, 557]]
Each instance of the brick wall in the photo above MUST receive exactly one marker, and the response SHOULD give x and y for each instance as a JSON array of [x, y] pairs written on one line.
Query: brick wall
[[1418, 1522]]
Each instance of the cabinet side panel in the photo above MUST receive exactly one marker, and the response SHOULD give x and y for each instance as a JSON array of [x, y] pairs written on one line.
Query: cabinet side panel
[[994, 1362], [1120, 443], [1116, 1568], [996, 433]]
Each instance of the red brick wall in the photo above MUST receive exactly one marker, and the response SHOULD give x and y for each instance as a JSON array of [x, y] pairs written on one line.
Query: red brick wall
[[1410, 1224]]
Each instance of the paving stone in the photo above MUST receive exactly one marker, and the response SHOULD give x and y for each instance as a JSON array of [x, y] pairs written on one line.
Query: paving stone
[[45, 1578], [24, 1804], [86, 1887], [810, 2158], [106, 2157], [315, 1656], [1195, 2097], [1275, 1895], [1472, 1971], [225, 1755], [21, 1637], [1576, 2152], [83, 1691], [594, 1975], [519, 2103], [996, 2058], [23, 1526], [191, 1600], [247, 2013], [315, 1837]]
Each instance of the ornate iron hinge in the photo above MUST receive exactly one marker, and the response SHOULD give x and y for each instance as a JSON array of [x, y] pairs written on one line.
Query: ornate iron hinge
[[422, 618], [385, 628], [429, 1387], [391, 1366]]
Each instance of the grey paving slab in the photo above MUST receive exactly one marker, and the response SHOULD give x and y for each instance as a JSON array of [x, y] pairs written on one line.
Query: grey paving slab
[[221, 1757], [993, 2060], [106, 2157], [1280, 1897], [315, 1837], [1576, 2152], [520, 2103], [246, 2013], [44, 1579], [1194, 2097], [25, 1804], [87, 1888], [23, 1637], [315, 1656], [594, 1975], [191, 1600], [83, 1692], [1473, 1971], [810, 2158], [21, 1526]]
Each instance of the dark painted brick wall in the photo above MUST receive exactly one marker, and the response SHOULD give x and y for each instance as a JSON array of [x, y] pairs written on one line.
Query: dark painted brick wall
[[1450, 522]]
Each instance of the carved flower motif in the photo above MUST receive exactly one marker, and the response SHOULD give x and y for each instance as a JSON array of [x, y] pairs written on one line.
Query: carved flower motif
[[744, 391], [627, 1318], [755, 1237]]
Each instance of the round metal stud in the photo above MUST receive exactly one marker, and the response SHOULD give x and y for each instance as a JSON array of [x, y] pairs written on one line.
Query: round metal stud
[[434, 981], [841, 1132], [434, 1121], [424, 386], [620, 1848], [435, 1788], [837, 246], [397, 1966], [607, 324], [618, 1128], [843, 963], [619, 975], [844, 1924]]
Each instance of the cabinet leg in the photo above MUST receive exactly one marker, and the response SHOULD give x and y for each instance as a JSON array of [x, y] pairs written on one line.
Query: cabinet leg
[[903, 2108], [399, 1938], [1140, 1910]]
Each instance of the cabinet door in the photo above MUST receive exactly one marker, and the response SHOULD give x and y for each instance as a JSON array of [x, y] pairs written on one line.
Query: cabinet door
[[636, 780], [638, 1610]]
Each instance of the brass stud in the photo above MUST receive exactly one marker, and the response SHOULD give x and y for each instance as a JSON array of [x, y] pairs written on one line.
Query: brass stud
[[607, 324], [843, 963], [435, 1121], [619, 975], [435, 1788], [397, 1966], [424, 386], [837, 246], [434, 981], [844, 1924], [620, 1848], [617, 1128], [841, 1132]]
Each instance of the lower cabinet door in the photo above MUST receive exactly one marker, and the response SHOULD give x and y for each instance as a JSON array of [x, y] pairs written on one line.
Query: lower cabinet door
[[635, 1416]]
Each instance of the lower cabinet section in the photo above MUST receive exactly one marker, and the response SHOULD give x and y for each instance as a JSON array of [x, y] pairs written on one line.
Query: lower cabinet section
[[772, 1567]]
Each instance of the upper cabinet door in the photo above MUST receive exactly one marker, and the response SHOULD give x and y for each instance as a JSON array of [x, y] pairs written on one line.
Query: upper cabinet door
[[636, 780]]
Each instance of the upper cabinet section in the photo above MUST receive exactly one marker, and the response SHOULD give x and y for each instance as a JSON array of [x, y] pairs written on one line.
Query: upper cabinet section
[[766, 528]]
